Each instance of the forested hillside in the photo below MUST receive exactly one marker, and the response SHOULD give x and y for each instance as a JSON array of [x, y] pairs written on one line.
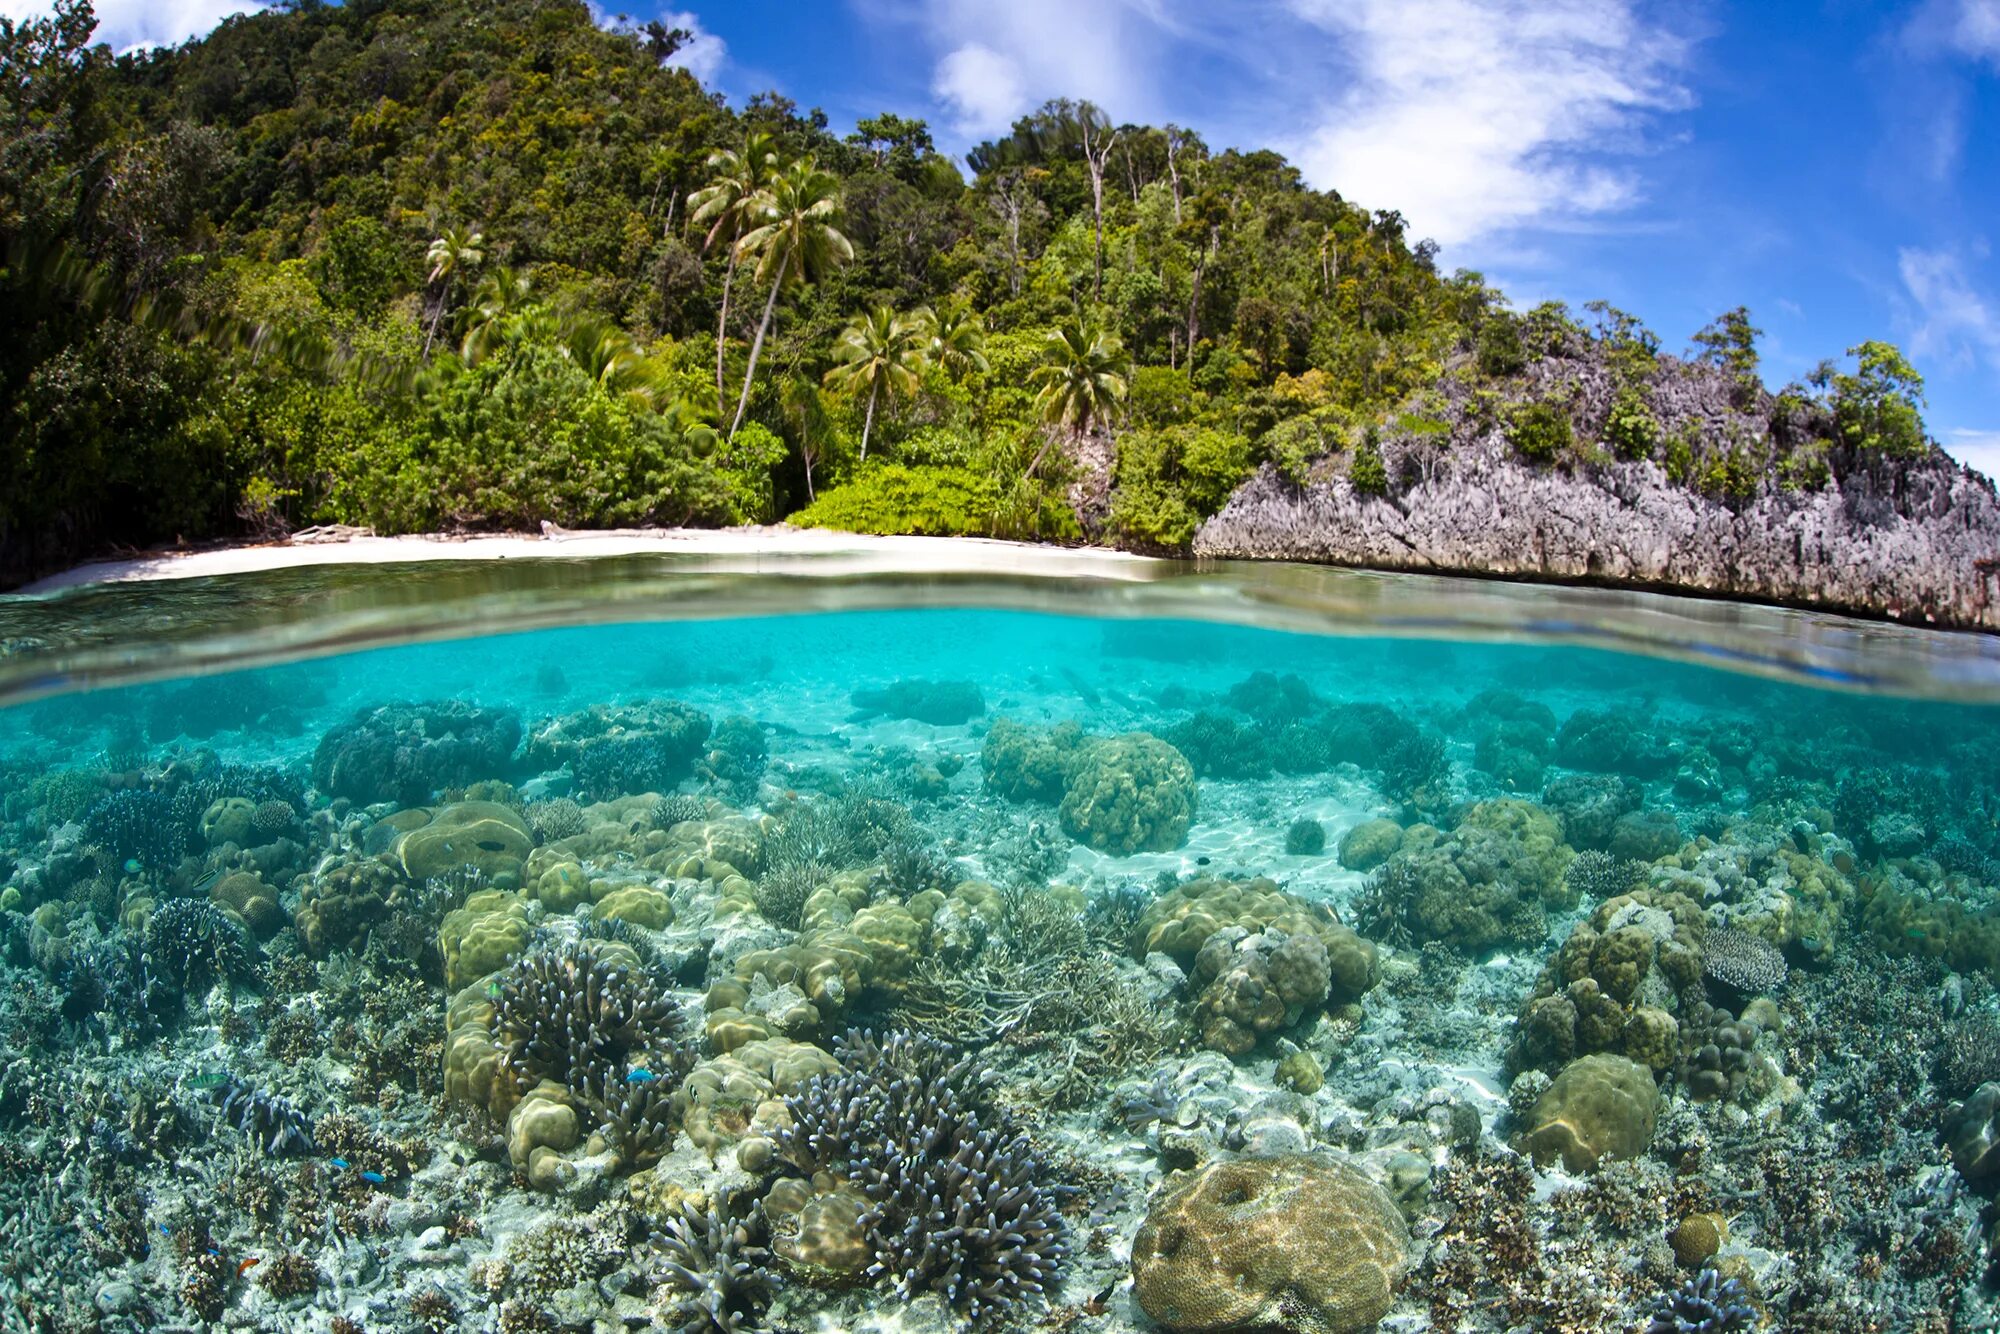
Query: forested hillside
[[438, 264]]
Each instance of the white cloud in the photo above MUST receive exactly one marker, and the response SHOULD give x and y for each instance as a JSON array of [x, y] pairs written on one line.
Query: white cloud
[[1954, 321], [1975, 29], [1475, 116], [127, 24], [703, 53], [982, 87], [995, 62], [1976, 449]]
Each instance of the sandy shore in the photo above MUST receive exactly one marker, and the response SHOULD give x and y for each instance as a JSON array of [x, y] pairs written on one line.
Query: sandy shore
[[747, 549]]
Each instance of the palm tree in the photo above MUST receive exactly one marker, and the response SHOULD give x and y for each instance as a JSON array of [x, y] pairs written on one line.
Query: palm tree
[[1082, 381], [451, 256], [881, 350], [502, 293], [728, 205], [954, 338], [795, 242]]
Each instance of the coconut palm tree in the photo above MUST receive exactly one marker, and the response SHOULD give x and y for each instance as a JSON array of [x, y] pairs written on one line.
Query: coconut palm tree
[[1082, 381], [954, 338], [795, 241], [882, 351], [452, 255], [728, 204], [500, 294]]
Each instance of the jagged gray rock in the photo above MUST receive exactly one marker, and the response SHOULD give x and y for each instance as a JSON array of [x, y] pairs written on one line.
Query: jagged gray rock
[[1916, 541]]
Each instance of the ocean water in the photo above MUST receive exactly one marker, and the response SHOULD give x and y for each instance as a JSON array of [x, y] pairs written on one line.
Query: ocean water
[[931, 955]]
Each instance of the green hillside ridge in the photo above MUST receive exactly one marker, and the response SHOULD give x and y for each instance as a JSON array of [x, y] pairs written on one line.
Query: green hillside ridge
[[437, 265]]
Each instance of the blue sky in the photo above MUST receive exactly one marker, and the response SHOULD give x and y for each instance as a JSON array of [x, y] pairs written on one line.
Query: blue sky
[[1833, 165]]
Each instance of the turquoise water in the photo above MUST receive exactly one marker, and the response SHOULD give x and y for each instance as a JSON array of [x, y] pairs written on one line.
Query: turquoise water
[[979, 966]]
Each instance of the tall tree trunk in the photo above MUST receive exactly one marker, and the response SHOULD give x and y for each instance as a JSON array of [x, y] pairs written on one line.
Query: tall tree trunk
[[722, 327], [436, 315], [757, 345], [868, 422]]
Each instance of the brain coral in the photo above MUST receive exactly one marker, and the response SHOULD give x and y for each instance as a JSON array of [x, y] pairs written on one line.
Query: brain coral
[[1127, 794], [1301, 1243]]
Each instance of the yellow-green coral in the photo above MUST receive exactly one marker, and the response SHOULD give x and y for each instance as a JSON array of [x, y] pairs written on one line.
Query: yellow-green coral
[[1127, 794], [1304, 1244]]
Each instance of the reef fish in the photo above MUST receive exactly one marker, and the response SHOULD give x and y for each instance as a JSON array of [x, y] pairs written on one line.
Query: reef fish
[[373, 1178], [339, 1163], [640, 1077]]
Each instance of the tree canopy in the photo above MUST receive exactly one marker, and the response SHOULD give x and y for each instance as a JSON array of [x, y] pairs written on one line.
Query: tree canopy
[[437, 263]]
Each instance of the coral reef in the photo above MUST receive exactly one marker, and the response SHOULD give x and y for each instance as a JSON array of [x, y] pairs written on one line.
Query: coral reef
[[406, 753], [1301, 1244]]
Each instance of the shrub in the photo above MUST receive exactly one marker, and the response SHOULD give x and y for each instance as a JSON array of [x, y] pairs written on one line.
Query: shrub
[[1367, 474], [1170, 480], [1539, 432], [1498, 348], [1631, 429], [893, 499], [1876, 408]]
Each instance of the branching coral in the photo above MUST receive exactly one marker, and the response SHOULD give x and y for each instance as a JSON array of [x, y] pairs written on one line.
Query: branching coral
[[193, 944], [406, 752], [137, 824], [713, 1271], [1706, 1304], [582, 1015], [272, 1122], [959, 1201]]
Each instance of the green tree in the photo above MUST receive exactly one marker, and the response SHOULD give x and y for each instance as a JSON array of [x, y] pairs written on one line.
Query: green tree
[[1730, 342], [795, 242], [502, 293], [728, 204], [954, 338], [879, 352], [451, 256], [1081, 381], [1877, 407]]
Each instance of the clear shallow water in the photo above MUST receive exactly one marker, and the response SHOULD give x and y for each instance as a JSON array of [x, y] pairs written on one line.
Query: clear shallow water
[[438, 978]]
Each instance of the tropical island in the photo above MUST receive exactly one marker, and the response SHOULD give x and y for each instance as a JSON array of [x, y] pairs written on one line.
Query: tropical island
[[445, 267]]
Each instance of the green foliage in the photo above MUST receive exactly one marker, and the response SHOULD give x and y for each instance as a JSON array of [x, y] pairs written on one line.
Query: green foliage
[[457, 263], [1630, 428], [1728, 474], [1170, 479], [1499, 347], [1730, 342], [1876, 408], [1367, 473], [1539, 432], [1677, 460], [893, 499]]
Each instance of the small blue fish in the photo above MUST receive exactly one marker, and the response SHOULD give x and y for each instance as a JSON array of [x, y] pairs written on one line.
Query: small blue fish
[[214, 1252], [165, 1231], [340, 1164], [133, 866], [641, 1076], [373, 1178]]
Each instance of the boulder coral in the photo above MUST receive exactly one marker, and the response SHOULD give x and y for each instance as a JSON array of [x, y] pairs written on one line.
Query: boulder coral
[[1303, 1244], [1598, 1107], [406, 753]]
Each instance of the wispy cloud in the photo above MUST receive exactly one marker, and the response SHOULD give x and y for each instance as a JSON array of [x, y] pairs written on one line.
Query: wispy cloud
[[1975, 29], [126, 25], [1975, 448], [995, 62], [1477, 116], [1953, 320]]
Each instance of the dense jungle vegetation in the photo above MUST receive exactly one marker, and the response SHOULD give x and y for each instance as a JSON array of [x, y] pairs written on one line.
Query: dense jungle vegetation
[[437, 264]]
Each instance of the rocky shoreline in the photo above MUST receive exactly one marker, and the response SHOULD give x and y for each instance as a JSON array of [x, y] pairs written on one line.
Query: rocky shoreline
[[1925, 552]]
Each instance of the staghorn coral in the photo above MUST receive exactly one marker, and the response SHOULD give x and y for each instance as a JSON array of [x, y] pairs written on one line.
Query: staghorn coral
[[1706, 1304], [193, 944], [584, 1015], [1303, 1244], [712, 1272], [271, 1122], [910, 1123], [138, 825]]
